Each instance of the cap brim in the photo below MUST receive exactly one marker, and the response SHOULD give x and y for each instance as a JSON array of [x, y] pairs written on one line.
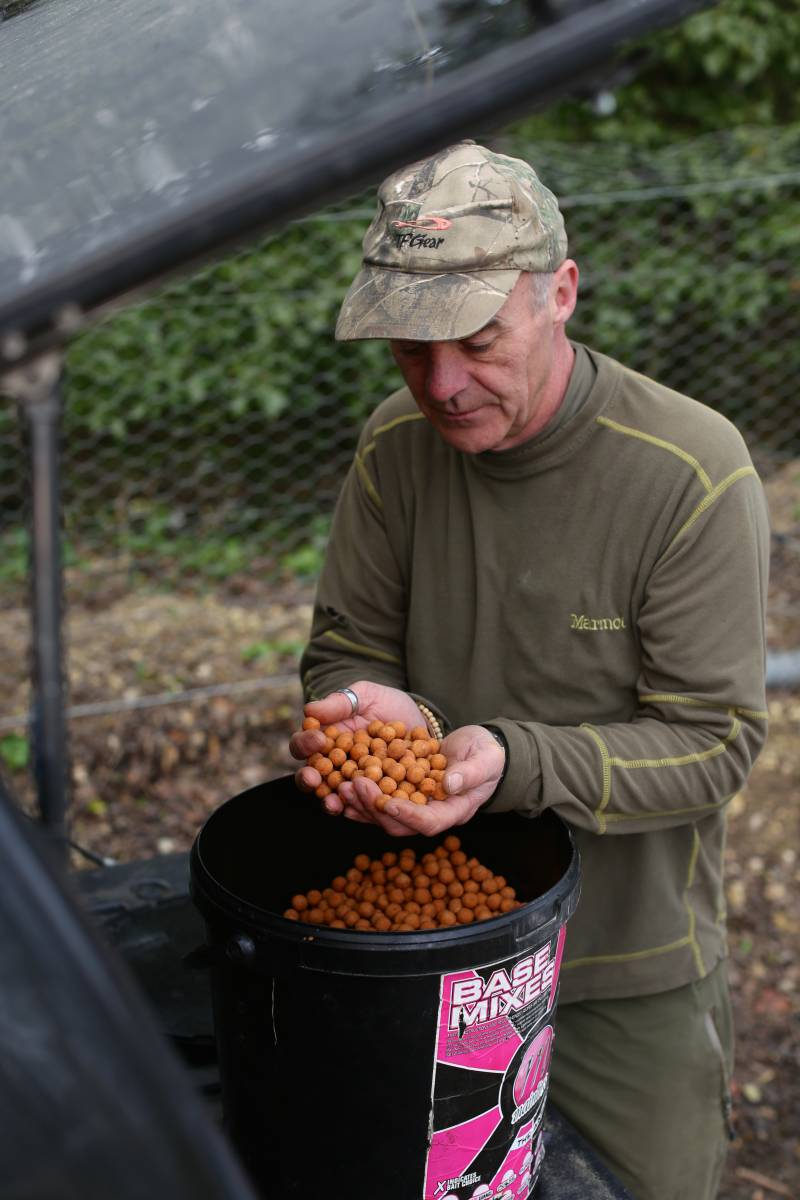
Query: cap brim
[[417, 307]]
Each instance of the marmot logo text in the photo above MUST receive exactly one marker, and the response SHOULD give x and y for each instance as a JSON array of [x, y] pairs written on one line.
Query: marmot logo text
[[594, 624]]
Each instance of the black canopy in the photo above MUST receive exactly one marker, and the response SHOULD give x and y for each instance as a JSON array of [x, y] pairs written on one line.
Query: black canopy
[[138, 135]]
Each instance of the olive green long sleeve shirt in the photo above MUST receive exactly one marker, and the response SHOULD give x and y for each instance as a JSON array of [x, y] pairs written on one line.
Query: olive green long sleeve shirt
[[599, 594]]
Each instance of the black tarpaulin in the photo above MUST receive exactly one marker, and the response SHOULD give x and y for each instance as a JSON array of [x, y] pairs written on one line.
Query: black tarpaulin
[[138, 135]]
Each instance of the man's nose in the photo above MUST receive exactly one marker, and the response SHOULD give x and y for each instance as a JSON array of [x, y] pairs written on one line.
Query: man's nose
[[447, 374]]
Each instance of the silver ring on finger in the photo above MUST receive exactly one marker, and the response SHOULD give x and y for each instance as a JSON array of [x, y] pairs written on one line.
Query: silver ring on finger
[[352, 697]]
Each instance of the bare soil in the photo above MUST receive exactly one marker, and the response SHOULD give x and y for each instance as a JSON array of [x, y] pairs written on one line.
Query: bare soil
[[145, 778]]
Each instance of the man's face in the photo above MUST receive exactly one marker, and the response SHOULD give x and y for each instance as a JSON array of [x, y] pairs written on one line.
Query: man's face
[[495, 389]]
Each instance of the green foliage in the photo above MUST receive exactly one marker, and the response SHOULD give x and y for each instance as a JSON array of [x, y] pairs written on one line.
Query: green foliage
[[14, 751], [232, 340], [153, 538], [234, 367], [271, 650], [306, 560], [14, 555], [735, 63]]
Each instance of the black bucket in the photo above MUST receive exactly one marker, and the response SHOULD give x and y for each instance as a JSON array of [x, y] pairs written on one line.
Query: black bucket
[[399, 1066]]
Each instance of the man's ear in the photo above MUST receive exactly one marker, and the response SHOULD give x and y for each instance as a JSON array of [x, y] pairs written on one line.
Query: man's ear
[[565, 291]]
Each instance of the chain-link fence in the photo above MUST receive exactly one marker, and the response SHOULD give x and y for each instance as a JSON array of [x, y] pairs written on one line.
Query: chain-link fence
[[207, 430]]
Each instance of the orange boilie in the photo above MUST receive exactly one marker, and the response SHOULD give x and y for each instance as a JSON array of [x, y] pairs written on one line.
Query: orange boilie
[[409, 762], [399, 893]]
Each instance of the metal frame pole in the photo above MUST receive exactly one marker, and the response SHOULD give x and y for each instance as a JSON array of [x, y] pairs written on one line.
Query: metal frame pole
[[37, 388]]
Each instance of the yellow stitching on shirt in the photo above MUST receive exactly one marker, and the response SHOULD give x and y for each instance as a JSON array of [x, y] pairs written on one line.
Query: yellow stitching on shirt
[[667, 698], [708, 500], [689, 940], [415, 416], [358, 648], [683, 760], [722, 906], [670, 812], [606, 761], [632, 956], [664, 698], [604, 818], [361, 455], [698, 958], [656, 441], [372, 491]]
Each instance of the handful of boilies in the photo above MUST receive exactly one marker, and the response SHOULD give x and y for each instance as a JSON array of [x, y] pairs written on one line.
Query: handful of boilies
[[409, 763], [399, 893]]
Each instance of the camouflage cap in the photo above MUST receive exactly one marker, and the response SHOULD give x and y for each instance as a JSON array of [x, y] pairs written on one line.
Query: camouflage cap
[[451, 235]]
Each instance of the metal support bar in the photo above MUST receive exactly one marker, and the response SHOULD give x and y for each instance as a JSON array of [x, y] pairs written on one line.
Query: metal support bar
[[37, 388]]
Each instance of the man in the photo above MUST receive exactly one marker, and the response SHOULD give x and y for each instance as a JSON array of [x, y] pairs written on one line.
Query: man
[[563, 563]]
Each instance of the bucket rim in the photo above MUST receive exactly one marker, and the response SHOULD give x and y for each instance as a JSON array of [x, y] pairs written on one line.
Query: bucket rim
[[555, 905]]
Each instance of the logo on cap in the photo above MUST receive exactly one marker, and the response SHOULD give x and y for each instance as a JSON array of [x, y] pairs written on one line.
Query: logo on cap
[[423, 222]]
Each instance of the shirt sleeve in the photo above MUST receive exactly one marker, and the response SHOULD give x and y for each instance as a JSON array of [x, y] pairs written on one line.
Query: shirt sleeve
[[701, 715]]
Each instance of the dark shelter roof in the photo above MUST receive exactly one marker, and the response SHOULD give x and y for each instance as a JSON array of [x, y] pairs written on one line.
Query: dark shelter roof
[[137, 136]]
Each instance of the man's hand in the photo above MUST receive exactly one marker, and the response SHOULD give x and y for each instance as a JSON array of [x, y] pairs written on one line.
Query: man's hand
[[375, 702], [475, 765]]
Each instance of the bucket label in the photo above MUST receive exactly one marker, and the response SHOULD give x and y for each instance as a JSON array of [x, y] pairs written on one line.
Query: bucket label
[[494, 1037]]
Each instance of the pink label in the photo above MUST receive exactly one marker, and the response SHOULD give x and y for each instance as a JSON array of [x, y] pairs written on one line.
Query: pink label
[[493, 1045]]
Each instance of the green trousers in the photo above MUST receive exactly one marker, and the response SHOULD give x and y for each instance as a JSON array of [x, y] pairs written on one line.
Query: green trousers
[[646, 1081]]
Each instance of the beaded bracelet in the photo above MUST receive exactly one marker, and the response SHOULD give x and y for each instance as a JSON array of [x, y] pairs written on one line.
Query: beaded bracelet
[[431, 720]]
